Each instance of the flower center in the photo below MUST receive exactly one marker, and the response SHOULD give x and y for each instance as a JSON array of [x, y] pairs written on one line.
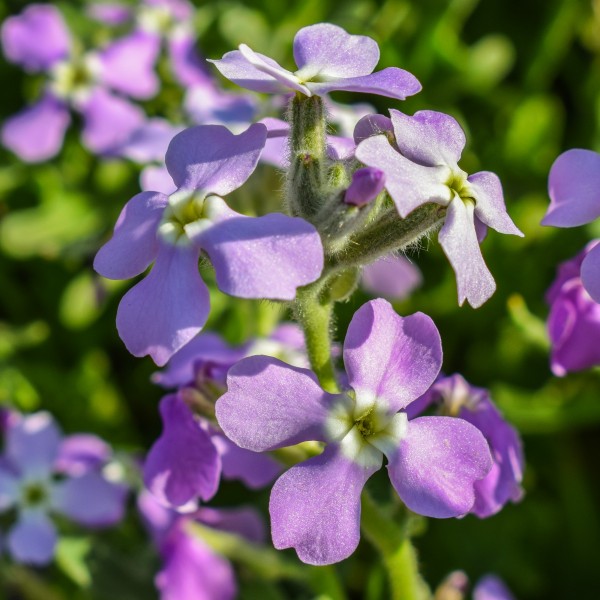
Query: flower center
[[33, 495], [364, 428], [184, 207], [459, 184], [73, 79], [155, 19]]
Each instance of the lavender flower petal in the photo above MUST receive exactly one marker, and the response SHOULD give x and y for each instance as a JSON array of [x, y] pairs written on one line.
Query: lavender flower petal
[[326, 50], [9, 489], [80, 453], [127, 65], [32, 444], [436, 465], [371, 125], [90, 500], [393, 277], [37, 38], [164, 311], [191, 571], [183, 463], [590, 273], [428, 138], [149, 142], [186, 64], [315, 507], [258, 257], [33, 539], [459, 241], [490, 207], [109, 121], [410, 185], [157, 178], [134, 244], [366, 185], [269, 405], [391, 83], [491, 587], [391, 358], [36, 133], [573, 185], [245, 521], [211, 158]]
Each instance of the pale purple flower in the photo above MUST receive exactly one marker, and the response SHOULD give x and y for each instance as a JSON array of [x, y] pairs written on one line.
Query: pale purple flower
[[433, 462], [42, 473], [393, 277], [262, 257], [457, 398], [186, 462], [491, 587], [190, 569], [328, 59], [574, 189], [165, 22], [421, 166], [574, 319], [92, 84]]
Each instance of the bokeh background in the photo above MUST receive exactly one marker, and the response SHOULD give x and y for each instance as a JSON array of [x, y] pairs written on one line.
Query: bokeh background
[[523, 78]]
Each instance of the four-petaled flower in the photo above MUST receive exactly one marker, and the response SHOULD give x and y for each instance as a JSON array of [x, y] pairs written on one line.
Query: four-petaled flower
[[40, 473], [433, 462], [419, 156], [262, 257], [329, 59]]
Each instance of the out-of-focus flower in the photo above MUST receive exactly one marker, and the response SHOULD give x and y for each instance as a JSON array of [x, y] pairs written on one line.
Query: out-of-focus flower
[[421, 166], [262, 257], [574, 319], [457, 398], [433, 462], [190, 569], [328, 59], [42, 473], [38, 39], [393, 277], [491, 587], [574, 189]]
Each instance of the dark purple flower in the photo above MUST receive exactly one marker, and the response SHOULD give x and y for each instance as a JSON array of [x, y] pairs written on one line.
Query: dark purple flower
[[38, 39], [263, 257], [422, 167], [433, 462], [190, 569], [366, 185], [574, 319], [457, 398], [328, 58], [33, 455], [574, 188]]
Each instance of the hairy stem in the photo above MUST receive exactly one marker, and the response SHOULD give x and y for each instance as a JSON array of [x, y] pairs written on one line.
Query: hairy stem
[[314, 312], [398, 554]]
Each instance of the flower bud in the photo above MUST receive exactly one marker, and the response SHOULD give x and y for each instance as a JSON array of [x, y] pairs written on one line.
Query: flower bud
[[366, 185]]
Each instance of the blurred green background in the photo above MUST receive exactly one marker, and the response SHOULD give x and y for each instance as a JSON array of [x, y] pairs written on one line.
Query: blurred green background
[[523, 78]]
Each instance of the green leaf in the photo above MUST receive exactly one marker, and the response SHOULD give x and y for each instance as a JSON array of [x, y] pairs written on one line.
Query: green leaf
[[70, 558]]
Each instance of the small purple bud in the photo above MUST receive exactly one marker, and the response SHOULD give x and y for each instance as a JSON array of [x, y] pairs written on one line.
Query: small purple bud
[[366, 185]]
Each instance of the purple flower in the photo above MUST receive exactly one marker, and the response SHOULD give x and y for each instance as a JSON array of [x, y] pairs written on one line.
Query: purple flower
[[328, 58], [490, 587], [186, 462], [34, 455], [210, 355], [39, 40], [422, 167], [390, 361], [190, 569], [457, 398], [263, 257], [366, 185], [573, 185], [393, 277], [574, 319]]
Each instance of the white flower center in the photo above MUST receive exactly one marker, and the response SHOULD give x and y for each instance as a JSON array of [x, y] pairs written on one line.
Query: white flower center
[[75, 78], [460, 186], [365, 429]]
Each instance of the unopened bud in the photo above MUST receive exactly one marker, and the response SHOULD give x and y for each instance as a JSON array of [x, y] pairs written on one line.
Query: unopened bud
[[366, 185]]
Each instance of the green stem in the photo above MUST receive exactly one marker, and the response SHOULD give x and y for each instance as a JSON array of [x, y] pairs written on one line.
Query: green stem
[[388, 233], [393, 543], [314, 312]]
